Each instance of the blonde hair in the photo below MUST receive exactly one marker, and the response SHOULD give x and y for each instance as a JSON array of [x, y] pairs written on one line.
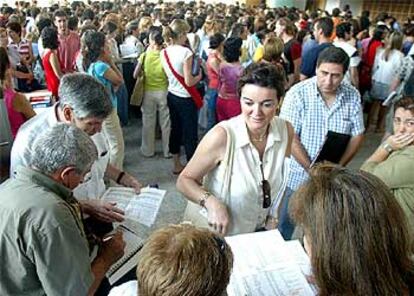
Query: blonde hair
[[272, 49], [395, 41], [175, 30], [184, 260], [144, 23], [209, 26]]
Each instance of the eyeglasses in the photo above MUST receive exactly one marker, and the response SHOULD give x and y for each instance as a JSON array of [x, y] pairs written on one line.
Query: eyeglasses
[[266, 194]]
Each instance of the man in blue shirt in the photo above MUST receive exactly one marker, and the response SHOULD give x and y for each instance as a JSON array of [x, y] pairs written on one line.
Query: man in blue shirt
[[322, 30]]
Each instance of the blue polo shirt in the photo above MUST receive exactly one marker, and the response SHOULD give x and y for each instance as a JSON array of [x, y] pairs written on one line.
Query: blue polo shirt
[[309, 59]]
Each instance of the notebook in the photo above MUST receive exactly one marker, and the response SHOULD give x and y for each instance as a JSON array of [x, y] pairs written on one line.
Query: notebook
[[133, 244], [333, 148]]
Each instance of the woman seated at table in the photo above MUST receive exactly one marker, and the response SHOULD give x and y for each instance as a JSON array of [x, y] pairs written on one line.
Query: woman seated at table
[[393, 161], [242, 160], [181, 260], [356, 234]]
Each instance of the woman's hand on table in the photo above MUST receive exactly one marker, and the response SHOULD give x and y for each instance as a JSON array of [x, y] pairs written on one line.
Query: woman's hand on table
[[218, 215]]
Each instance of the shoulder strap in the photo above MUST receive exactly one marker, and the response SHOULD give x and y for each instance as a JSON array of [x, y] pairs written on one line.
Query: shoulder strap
[[195, 95], [176, 75], [228, 163]]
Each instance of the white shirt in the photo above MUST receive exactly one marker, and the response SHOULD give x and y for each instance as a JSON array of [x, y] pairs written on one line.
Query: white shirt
[[126, 289], [245, 197], [354, 58], [177, 54], [385, 71], [92, 187]]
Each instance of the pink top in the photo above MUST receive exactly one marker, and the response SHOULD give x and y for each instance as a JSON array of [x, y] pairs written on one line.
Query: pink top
[[229, 75], [68, 48], [213, 79], [16, 119]]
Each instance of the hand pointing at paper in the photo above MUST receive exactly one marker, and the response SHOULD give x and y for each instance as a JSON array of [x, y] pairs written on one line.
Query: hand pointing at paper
[[103, 211]]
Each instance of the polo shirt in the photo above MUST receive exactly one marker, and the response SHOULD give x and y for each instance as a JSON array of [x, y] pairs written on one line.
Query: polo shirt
[[309, 59]]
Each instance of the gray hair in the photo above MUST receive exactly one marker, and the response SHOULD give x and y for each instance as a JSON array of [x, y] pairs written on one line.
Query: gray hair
[[85, 95], [62, 146]]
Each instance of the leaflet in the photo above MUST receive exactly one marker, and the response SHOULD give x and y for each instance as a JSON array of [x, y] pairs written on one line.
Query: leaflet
[[142, 207], [264, 266]]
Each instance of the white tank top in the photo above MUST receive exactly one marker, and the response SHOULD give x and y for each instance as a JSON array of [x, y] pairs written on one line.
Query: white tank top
[[245, 197]]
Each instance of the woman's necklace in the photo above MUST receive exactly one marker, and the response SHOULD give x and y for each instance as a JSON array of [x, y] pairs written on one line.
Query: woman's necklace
[[260, 138]]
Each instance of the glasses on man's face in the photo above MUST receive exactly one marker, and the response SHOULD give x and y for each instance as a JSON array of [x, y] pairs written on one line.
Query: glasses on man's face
[[266, 194]]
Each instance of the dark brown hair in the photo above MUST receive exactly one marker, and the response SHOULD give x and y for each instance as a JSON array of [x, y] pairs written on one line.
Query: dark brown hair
[[407, 103], [4, 64], [357, 231], [263, 75]]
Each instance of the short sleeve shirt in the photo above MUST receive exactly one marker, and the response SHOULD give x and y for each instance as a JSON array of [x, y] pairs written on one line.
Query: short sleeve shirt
[[308, 67], [98, 70], [311, 119]]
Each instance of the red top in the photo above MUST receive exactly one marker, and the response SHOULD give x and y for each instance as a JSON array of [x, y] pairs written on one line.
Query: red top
[[52, 81], [213, 77], [371, 52], [16, 119]]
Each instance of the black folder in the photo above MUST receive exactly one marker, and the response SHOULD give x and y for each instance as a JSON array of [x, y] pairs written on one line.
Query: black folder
[[333, 148]]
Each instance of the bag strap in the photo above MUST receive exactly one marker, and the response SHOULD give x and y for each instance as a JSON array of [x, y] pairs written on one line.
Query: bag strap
[[192, 90], [176, 75], [228, 164]]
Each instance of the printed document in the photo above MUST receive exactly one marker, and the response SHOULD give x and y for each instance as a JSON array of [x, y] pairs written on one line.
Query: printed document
[[264, 266], [142, 207]]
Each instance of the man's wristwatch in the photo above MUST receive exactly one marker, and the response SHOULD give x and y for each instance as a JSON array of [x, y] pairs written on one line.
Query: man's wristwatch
[[203, 199], [387, 147]]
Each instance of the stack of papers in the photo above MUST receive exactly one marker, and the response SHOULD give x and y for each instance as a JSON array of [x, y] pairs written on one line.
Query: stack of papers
[[264, 264]]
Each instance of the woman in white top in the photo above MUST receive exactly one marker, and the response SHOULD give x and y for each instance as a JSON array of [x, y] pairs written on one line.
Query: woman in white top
[[183, 109], [242, 160], [387, 62]]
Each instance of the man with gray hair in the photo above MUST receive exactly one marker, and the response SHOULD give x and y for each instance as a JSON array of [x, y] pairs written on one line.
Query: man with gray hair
[[84, 103], [43, 244]]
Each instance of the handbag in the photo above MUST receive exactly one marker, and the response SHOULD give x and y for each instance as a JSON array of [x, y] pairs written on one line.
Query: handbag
[[192, 90], [137, 95], [196, 214]]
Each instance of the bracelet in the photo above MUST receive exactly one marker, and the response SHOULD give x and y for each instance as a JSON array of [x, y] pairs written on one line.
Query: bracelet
[[120, 176], [202, 201], [387, 147]]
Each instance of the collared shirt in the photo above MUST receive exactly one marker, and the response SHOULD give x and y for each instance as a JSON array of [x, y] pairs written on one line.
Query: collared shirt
[[43, 247], [17, 50], [311, 118], [243, 194], [68, 48], [93, 186]]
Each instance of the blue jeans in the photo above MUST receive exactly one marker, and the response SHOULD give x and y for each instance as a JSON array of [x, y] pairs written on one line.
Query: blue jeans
[[122, 104], [286, 226], [211, 98]]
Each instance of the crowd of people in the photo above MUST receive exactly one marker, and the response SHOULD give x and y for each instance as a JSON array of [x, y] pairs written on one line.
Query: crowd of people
[[268, 88]]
